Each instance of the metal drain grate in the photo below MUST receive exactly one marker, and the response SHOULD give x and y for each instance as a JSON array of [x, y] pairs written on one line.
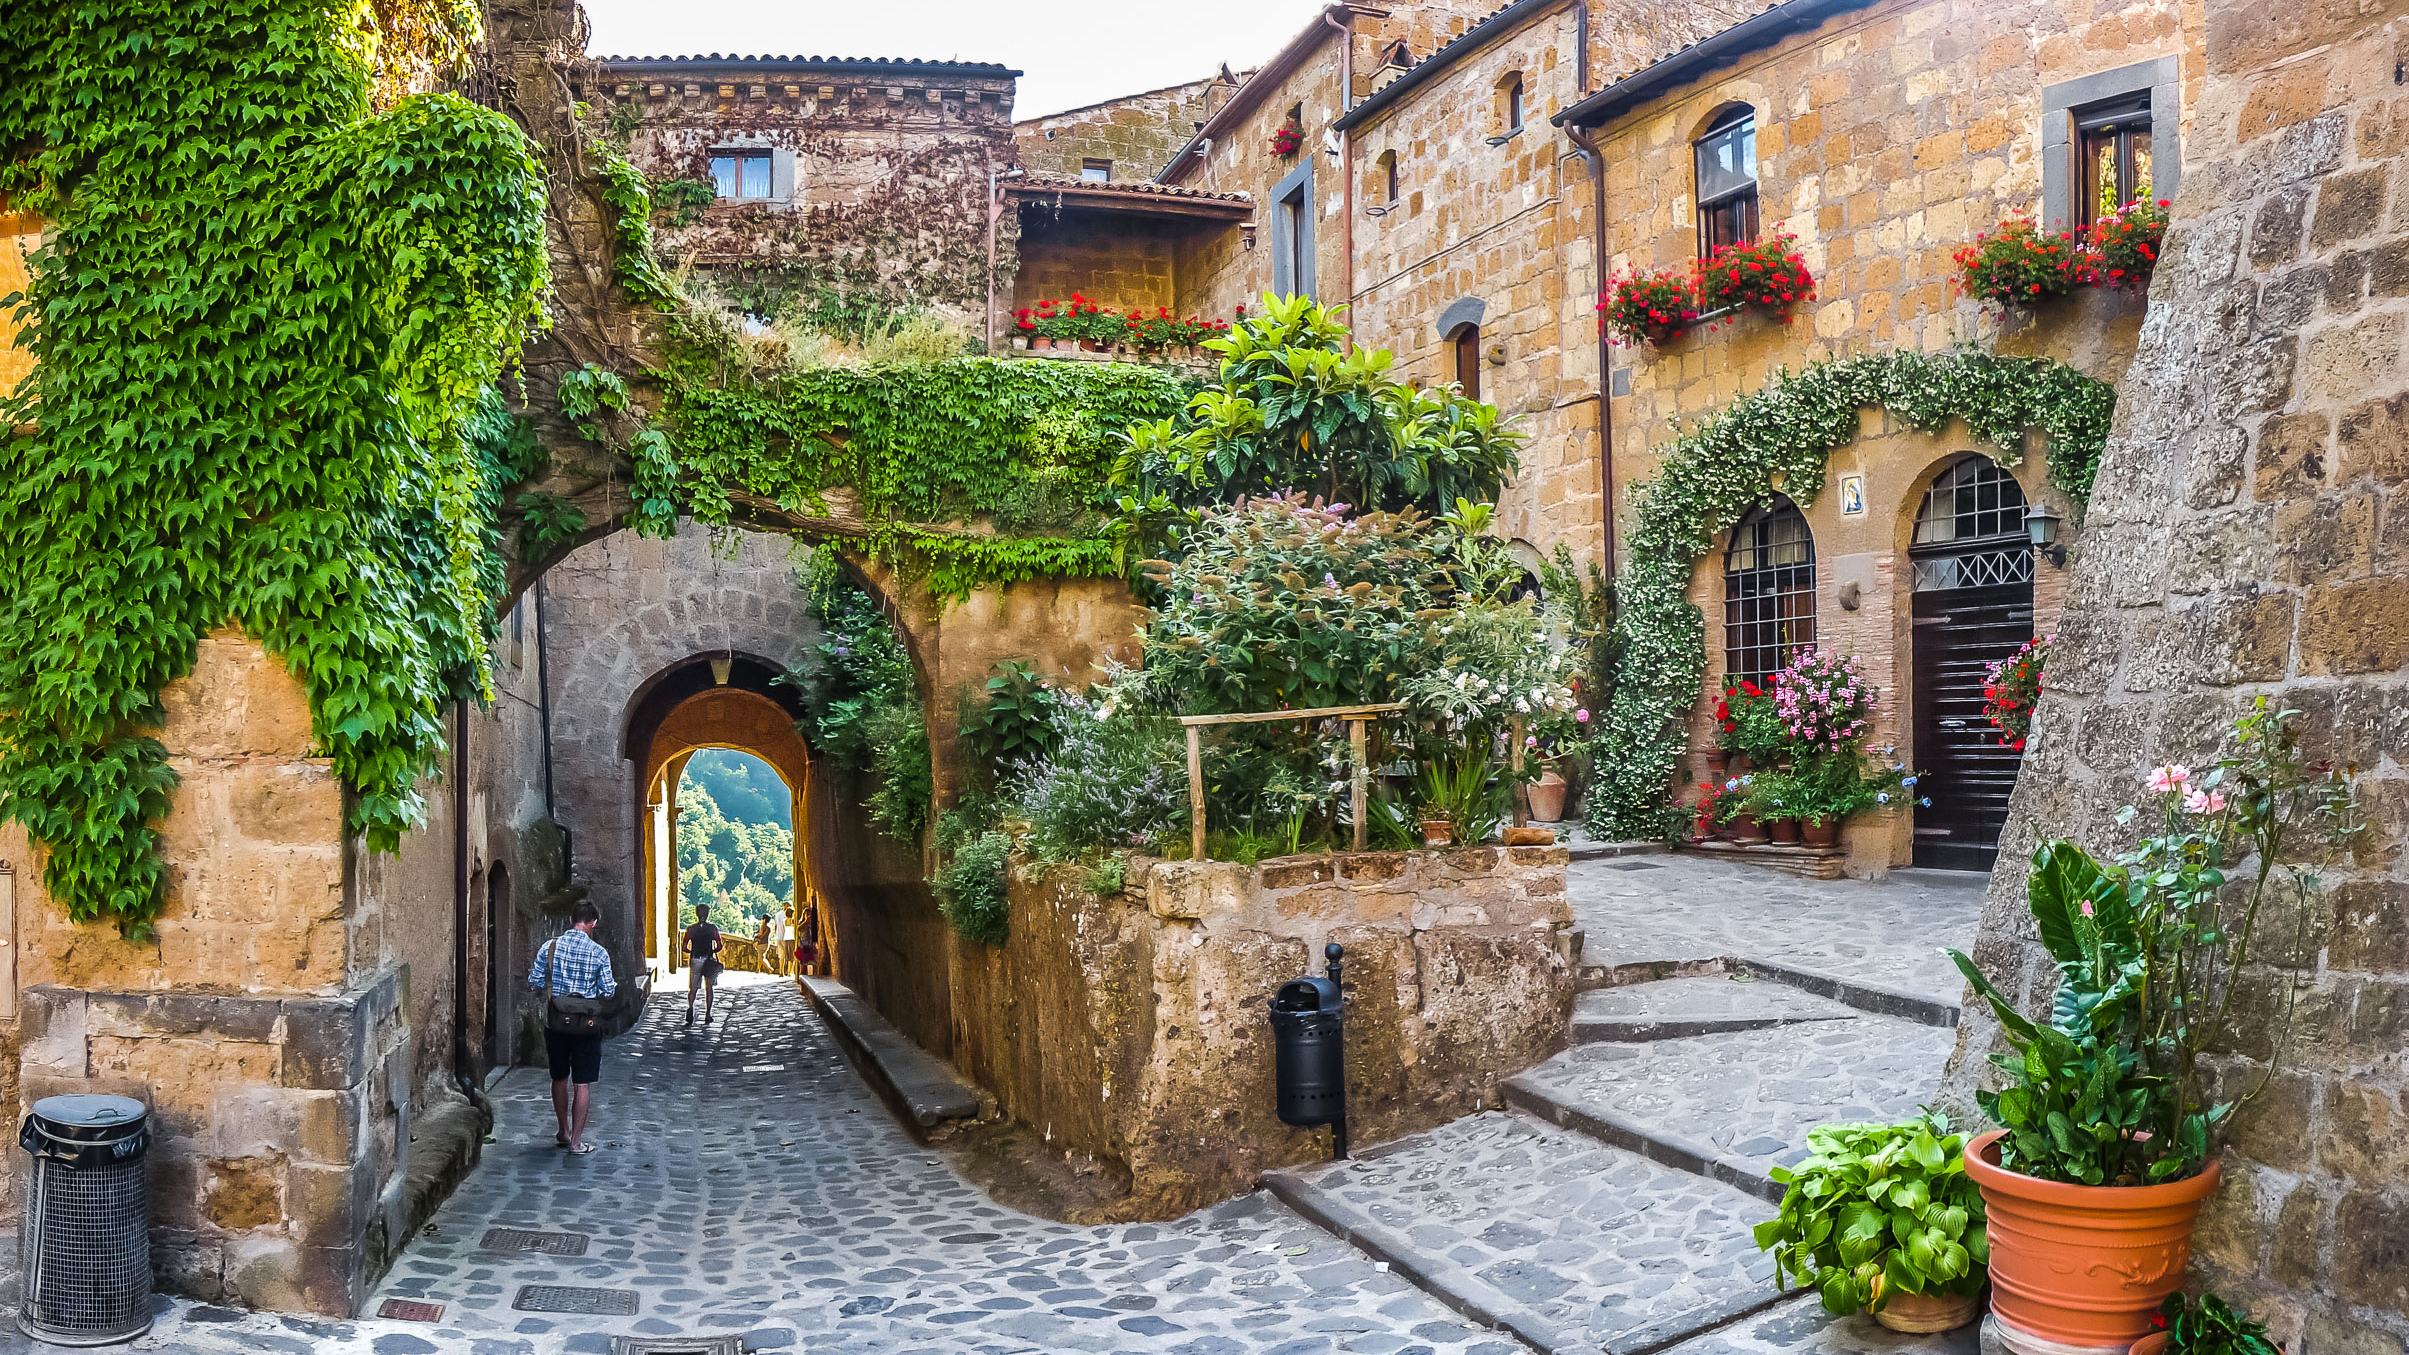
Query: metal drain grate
[[1634, 865], [410, 1310], [547, 1244], [561, 1298], [677, 1345]]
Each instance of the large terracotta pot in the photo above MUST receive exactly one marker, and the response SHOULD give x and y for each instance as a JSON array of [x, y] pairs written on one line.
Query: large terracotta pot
[[2082, 1265], [1744, 828], [1547, 797], [1824, 834], [1784, 832]]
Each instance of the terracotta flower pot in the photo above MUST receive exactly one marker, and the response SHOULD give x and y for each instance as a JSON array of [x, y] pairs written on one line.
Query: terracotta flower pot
[[1041, 343], [2082, 1265], [1784, 832], [1547, 797], [1824, 834], [1744, 829], [1437, 833], [2153, 1343], [1718, 764], [1921, 1313]]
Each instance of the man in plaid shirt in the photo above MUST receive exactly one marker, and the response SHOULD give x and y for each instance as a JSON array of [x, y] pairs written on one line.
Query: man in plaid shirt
[[574, 965]]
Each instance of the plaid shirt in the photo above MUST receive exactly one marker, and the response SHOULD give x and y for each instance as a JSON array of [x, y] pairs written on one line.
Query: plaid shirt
[[584, 969]]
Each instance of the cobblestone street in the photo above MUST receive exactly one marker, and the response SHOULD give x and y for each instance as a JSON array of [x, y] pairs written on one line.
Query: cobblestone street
[[748, 1183]]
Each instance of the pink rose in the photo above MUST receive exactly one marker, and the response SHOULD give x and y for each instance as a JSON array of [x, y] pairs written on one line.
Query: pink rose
[[2169, 778], [2205, 802]]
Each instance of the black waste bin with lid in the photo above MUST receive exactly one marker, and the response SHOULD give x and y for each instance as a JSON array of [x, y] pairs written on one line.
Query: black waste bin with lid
[[1308, 1027], [85, 1241]]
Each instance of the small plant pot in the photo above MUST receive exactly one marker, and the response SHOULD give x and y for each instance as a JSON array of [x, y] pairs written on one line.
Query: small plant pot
[[1021, 341], [1437, 833], [1920, 1314], [1041, 344], [2153, 1343], [2082, 1265], [1547, 797], [1718, 765], [1745, 830], [1826, 834], [1783, 832]]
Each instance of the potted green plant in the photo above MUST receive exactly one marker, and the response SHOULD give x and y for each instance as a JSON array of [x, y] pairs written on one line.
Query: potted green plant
[[1776, 798], [2209, 1327], [2110, 1133], [1883, 1217], [1749, 730]]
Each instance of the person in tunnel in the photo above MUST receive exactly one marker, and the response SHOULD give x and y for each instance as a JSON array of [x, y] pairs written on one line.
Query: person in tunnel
[[574, 971], [702, 958]]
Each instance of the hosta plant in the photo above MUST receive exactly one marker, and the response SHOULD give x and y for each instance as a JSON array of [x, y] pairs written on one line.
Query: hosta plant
[[2015, 264], [1878, 1210]]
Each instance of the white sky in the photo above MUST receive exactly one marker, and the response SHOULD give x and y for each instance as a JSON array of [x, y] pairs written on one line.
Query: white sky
[[1073, 52]]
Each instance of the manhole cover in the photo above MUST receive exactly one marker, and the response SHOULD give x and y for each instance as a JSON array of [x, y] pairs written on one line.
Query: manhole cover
[[410, 1310], [521, 1239], [677, 1345], [561, 1298], [1635, 865]]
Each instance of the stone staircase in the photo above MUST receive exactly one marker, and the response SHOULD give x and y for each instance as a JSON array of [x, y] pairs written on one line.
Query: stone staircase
[[1608, 1208]]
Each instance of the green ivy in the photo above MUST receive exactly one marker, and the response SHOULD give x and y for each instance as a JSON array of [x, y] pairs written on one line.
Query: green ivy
[[917, 443], [630, 200], [1714, 472], [266, 322]]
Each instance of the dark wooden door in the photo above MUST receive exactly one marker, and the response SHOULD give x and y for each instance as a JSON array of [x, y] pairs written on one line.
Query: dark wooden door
[[1967, 774]]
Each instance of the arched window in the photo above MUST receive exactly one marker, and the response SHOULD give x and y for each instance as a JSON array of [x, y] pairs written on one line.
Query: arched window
[[1727, 180], [1509, 104], [1768, 591], [1969, 533], [1467, 351], [1384, 176]]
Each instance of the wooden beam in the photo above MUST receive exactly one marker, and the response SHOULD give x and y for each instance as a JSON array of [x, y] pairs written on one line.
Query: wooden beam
[[1363, 795], [1318, 713], [1196, 822]]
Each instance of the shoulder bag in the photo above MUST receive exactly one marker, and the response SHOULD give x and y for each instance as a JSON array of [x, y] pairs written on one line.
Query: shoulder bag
[[567, 1013]]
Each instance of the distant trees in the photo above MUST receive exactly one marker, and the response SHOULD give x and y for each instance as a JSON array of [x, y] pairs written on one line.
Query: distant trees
[[745, 850]]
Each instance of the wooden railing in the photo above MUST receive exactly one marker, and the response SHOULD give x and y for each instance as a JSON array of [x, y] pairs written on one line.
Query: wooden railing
[[1355, 716]]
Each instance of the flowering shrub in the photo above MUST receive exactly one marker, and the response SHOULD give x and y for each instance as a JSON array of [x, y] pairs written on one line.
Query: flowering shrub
[[1649, 308], [2011, 689], [1766, 275], [1077, 318], [2014, 264], [1497, 661], [1285, 141], [1824, 703], [1117, 777], [2124, 243]]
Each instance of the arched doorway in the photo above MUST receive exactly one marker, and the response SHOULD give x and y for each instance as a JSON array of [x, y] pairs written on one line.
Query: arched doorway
[[1971, 580]]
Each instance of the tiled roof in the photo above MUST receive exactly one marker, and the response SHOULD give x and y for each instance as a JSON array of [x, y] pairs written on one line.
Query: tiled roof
[[895, 64], [1762, 29], [1461, 45], [1036, 183]]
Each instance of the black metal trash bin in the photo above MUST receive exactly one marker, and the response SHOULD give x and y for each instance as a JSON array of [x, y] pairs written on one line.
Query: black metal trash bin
[[1309, 1040], [85, 1243]]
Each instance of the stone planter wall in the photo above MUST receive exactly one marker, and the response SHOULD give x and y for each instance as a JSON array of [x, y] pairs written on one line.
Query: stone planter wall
[[1133, 1027]]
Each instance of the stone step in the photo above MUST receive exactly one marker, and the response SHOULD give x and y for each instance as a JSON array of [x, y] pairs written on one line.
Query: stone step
[[1880, 999], [1571, 1245], [1676, 1008], [1732, 1107]]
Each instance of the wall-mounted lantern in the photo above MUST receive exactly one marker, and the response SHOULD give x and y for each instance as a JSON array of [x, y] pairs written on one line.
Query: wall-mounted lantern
[[2042, 525]]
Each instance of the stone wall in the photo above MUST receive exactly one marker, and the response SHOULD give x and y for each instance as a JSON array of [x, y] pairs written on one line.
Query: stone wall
[[1133, 1027], [1136, 133], [1119, 261], [2251, 535]]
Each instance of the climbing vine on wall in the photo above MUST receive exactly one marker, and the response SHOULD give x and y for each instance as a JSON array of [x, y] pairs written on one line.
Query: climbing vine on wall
[[1718, 470], [918, 444], [266, 323]]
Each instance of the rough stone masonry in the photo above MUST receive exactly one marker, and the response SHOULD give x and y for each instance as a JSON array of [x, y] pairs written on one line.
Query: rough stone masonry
[[2251, 534]]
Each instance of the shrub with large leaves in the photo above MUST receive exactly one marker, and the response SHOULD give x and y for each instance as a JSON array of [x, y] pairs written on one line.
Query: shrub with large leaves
[[1878, 1210]]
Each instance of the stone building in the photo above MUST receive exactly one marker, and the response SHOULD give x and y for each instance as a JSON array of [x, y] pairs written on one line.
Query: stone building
[[2250, 536]]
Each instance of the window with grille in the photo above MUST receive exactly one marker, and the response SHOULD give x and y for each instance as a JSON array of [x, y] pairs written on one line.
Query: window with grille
[[1727, 181], [1768, 591], [1969, 533]]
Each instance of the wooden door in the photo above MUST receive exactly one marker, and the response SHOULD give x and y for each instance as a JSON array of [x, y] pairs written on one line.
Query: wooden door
[[1968, 775]]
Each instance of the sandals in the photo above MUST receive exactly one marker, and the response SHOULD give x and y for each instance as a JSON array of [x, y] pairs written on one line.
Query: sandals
[[581, 1150]]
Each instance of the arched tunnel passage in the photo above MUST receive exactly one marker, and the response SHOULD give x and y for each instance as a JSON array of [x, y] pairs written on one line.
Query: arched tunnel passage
[[681, 711]]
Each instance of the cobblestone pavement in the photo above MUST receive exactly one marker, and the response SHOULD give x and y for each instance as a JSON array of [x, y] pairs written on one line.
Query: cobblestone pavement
[[1602, 1246], [1886, 934], [1670, 1008], [748, 1182], [1749, 1098]]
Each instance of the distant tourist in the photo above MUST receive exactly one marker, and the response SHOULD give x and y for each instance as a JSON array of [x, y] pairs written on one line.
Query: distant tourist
[[807, 944], [702, 952], [761, 944], [575, 973]]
